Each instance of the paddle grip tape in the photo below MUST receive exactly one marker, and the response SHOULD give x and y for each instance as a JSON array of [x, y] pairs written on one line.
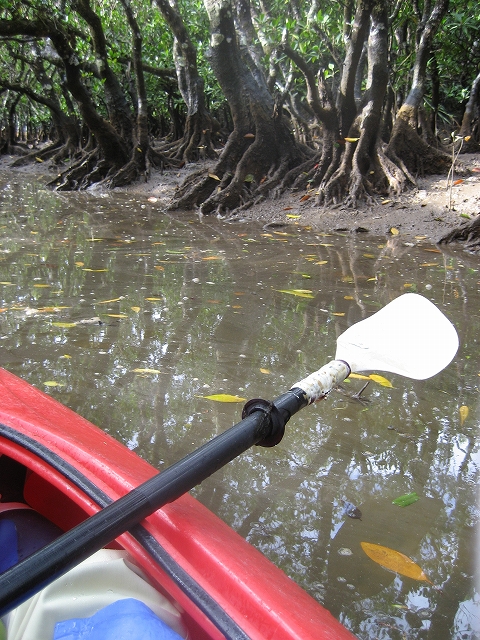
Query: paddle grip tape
[[319, 384]]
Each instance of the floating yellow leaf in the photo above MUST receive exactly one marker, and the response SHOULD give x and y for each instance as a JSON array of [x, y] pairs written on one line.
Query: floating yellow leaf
[[159, 267], [213, 176], [348, 298], [381, 380], [64, 325], [394, 561], [38, 159], [351, 139], [146, 371], [265, 371], [322, 262], [429, 264], [359, 376], [385, 201], [136, 309], [212, 258], [66, 356], [153, 299], [338, 313], [4, 309], [42, 286], [112, 300], [301, 293], [95, 270], [463, 411], [394, 231], [79, 263], [52, 383], [293, 216], [223, 397], [116, 315], [8, 284]]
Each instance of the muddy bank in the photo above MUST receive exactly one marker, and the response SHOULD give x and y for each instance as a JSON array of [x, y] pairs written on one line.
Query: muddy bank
[[430, 210]]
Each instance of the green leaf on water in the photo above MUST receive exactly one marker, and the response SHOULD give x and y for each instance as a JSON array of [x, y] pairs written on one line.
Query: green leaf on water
[[406, 499]]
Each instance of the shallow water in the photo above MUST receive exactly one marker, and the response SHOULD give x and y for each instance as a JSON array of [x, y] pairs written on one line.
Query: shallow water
[[131, 316]]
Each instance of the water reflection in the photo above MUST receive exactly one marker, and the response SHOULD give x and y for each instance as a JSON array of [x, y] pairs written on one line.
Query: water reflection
[[131, 317]]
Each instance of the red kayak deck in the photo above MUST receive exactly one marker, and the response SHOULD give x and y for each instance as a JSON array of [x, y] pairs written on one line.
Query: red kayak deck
[[254, 594]]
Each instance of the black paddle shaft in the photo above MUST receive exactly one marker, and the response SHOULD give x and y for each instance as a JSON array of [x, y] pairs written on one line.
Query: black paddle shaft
[[263, 424]]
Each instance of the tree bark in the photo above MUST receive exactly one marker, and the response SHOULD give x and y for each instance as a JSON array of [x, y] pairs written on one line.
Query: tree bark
[[363, 170], [139, 162], [119, 114], [470, 121], [199, 126], [346, 105], [112, 148], [261, 148], [405, 143]]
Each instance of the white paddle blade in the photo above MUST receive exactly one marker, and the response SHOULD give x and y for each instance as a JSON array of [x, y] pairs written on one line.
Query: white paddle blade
[[409, 336]]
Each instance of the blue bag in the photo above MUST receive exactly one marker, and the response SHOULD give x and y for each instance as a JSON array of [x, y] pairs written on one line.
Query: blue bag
[[123, 620], [8, 545]]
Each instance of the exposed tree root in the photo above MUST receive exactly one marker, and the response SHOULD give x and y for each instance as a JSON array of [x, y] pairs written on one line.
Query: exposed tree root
[[303, 175], [90, 169], [196, 143], [81, 173], [418, 157], [245, 172], [468, 234], [356, 181], [38, 155]]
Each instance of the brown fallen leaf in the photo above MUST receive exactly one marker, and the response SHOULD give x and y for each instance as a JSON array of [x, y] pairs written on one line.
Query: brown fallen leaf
[[394, 561]]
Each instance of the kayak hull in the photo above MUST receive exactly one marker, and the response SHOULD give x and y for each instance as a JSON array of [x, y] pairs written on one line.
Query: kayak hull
[[223, 585]]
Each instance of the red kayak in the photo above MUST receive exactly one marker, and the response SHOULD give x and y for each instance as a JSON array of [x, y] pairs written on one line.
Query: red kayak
[[66, 469]]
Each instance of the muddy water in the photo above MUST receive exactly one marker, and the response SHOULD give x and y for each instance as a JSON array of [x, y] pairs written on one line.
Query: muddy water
[[131, 316]]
